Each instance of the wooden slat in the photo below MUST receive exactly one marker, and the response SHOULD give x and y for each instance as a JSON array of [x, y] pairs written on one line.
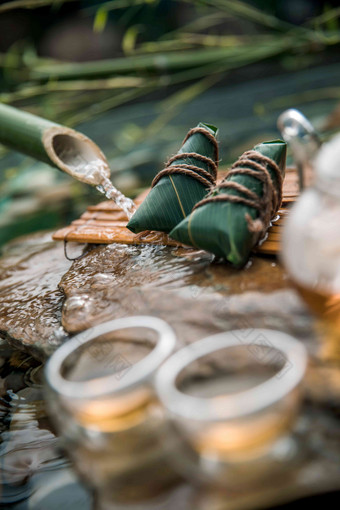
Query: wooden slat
[[106, 206], [269, 248], [96, 223], [105, 216], [288, 200], [273, 236]]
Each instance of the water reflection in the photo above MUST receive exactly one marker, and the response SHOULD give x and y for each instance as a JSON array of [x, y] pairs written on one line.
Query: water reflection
[[34, 474], [33, 470]]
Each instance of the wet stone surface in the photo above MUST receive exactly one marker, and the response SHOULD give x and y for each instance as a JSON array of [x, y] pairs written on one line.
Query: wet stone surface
[[195, 295], [45, 299], [30, 301]]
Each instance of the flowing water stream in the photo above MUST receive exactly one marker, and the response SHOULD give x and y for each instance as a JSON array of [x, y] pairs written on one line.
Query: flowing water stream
[[88, 168], [108, 189]]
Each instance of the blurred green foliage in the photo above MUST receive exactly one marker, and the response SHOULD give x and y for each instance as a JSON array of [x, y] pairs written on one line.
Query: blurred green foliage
[[164, 56]]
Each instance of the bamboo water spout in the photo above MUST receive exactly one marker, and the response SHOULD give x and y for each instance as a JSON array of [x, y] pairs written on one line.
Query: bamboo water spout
[[57, 145]]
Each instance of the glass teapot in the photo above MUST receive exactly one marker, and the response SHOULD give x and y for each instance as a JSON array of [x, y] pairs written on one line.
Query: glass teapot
[[311, 238]]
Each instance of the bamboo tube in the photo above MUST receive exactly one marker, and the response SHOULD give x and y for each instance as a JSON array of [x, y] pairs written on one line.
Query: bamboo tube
[[59, 146]]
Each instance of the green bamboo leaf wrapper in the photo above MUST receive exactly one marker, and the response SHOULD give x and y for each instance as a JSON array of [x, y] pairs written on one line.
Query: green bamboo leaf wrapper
[[174, 196], [221, 227]]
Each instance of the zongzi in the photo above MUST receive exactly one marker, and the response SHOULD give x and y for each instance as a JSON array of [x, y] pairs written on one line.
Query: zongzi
[[235, 215], [181, 184]]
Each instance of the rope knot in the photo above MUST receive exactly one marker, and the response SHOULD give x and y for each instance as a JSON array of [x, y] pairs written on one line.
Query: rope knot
[[253, 164], [254, 226], [207, 178]]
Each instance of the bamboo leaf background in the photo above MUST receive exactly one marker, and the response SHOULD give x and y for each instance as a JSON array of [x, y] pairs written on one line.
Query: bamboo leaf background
[[226, 62]]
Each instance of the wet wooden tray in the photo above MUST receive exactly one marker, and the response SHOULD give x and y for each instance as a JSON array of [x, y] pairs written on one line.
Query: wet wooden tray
[[105, 223]]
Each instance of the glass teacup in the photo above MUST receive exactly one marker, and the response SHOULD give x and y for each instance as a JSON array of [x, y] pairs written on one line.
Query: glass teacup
[[233, 399], [101, 398]]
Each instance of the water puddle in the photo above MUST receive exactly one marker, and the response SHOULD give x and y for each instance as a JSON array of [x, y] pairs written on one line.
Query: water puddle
[[41, 291], [30, 457], [31, 301], [118, 280]]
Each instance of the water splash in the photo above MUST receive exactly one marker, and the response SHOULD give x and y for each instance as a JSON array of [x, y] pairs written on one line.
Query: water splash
[[117, 196], [96, 173]]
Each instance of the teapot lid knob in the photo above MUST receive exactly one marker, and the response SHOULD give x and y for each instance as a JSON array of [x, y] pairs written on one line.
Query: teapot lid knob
[[298, 132]]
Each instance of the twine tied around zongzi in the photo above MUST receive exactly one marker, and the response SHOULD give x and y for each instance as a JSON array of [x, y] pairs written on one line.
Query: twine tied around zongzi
[[208, 179], [255, 165]]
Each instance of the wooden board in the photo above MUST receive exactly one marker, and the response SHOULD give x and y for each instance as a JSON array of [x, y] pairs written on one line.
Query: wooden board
[[105, 223]]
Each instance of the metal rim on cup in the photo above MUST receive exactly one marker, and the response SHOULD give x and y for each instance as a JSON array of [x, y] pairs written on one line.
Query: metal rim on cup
[[142, 371], [236, 405]]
